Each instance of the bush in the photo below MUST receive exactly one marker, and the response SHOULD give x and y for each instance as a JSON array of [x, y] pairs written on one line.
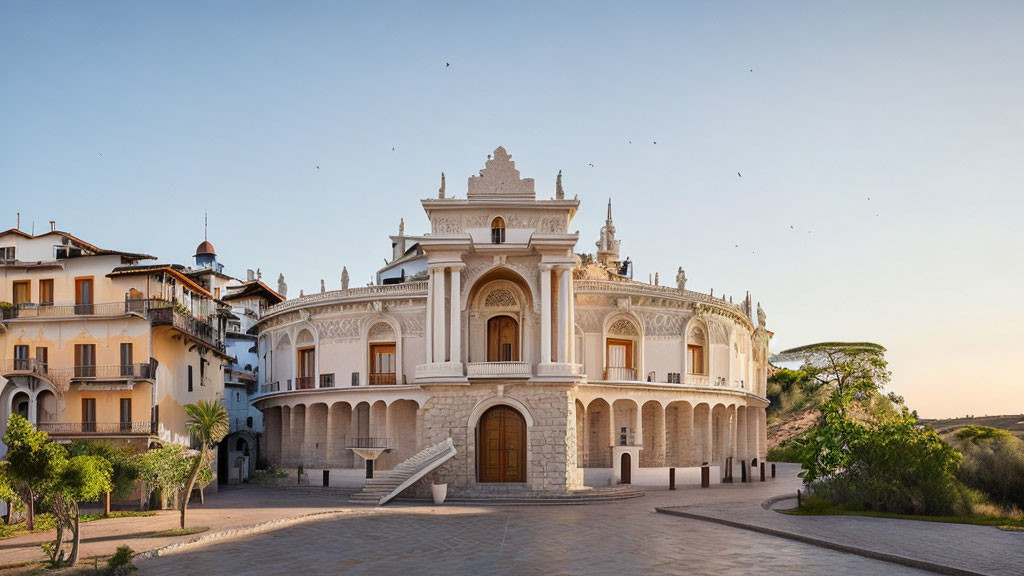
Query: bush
[[899, 467], [993, 462], [785, 452], [121, 561]]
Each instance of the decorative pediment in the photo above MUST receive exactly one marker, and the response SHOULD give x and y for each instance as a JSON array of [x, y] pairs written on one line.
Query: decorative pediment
[[500, 179]]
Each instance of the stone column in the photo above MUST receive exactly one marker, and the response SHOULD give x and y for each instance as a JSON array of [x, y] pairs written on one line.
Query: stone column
[[659, 437], [428, 332], [563, 313], [455, 332], [439, 323], [572, 319], [545, 314], [709, 438], [638, 440]]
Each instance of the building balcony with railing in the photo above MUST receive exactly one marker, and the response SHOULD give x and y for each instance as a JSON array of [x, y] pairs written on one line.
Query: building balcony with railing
[[305, 383], [620, 373], [511, 369], [168, 313], [143, 428], [382, 379], [34, 310]]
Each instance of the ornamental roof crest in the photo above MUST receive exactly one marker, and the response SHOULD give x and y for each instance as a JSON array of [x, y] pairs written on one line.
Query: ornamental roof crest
[[499, 179]]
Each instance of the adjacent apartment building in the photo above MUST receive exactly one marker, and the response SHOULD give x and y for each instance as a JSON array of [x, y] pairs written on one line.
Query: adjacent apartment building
[[104, 344]]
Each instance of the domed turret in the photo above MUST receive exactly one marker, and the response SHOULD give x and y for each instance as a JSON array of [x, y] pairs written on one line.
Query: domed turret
[[205, 248]]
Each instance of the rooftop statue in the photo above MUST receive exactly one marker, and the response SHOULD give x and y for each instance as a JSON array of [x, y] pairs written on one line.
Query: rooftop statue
[[323, 287], [559, 193], [282, 288], [440, 191], [760, 315], [681, 279], [344, 278], [401, 221]]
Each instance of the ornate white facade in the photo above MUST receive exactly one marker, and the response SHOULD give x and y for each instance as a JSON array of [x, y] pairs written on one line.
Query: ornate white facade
[[546, 373]]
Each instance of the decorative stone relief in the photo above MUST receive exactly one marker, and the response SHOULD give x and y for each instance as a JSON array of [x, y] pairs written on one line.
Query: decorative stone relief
[[338, 328], [590, 320], [381, 331], [499, 177], [660, 325], [500, 298], [412, 324], [623, 327]]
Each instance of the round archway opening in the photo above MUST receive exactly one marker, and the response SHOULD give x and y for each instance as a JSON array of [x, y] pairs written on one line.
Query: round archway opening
[[501, 446]]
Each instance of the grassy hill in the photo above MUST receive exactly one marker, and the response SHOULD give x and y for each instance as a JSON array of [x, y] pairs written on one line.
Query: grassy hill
[[1013, 423]]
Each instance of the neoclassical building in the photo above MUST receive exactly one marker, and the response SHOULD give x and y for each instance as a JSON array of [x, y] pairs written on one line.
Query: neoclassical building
[[548, 371]]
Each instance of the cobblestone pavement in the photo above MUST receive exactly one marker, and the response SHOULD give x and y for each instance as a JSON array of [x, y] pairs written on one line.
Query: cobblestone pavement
[[625, 537]]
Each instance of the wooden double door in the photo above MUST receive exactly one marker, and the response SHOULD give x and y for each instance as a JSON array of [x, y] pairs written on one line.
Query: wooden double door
[[501, 446], [502, 339]]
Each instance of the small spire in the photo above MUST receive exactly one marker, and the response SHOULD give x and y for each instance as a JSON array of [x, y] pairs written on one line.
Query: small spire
[[206, 222], [609, 221], [440, 191], [559, 193], [401, 227]]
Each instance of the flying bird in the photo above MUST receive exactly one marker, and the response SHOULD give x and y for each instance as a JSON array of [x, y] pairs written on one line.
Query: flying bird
[[446, 64], [740, 175], [317, 167], [100, 153], [790, 226], [655, 142], [591, 165]]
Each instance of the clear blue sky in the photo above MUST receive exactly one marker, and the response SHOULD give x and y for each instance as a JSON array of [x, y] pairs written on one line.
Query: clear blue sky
[[125, 121]]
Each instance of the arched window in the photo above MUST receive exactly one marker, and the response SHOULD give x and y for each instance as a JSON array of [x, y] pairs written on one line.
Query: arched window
[[695, 351], [497, 231]]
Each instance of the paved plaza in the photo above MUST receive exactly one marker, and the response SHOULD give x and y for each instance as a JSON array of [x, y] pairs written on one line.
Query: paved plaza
[[625, 537]]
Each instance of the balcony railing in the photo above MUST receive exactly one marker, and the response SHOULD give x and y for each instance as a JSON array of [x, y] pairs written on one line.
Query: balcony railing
[[111, 372], [47, 310], [26, 365], [383, 379], [620, 373], [98, 427], [498, 369], [305, 383], [369, 443], [164, 313], [270, 387]]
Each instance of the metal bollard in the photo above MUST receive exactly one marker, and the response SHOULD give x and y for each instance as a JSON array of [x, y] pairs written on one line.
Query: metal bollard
[[762, 471], [327, 478], [773, 469], [298, 477], [799, 499], [671, 478], [743, 470], [705, 476], [369, 468]]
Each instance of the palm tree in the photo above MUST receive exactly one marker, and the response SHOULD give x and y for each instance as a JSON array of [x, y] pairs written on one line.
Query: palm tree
[[207, 425]]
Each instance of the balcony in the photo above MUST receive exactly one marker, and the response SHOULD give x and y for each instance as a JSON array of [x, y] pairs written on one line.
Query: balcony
[[25, 366], [369, 443], [45, 310], [498, 370], [305, 383], [138, 371], [270, 387], [698, 379], [166, 313], [382, 379], [619, 373], [98, 428]]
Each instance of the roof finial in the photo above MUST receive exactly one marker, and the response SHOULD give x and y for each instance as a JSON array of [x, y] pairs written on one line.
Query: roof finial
[[440, 191], [206, 222], [401, 227], [609, 221], [559, 193]]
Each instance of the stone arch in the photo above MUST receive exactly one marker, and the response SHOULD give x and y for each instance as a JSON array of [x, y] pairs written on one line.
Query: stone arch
[[627, 326], [402, 428], [46, 405], [652, 453], [697, 341], [372, 329], [474, 420], [316, 434], [599, 434], [679, 441], [702, 433], [502, 445], [626, 420], [339, 418], [521, 274], [501, 292], [581, 434]]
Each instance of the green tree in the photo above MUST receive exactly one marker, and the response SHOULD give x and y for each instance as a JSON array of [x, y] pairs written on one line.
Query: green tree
[[7, 493], [165, 469], [125, 464], [29, 457], [68, 482], [207, 425]]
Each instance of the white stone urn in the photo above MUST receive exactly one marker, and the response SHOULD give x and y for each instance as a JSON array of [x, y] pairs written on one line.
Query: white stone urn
[[439, 492]]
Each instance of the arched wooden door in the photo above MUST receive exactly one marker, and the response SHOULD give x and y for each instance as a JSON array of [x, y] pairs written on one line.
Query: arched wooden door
[[501, 446], [626, 471], [502, 339]]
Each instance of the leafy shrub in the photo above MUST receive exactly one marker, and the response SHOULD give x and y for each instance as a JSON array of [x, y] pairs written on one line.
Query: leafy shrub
[[785, 452], [993, 462], [898, 467], [121, 561], [267, 476]]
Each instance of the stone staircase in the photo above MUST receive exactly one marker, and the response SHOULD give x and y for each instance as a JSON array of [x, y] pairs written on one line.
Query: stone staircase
[[390, 483]]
